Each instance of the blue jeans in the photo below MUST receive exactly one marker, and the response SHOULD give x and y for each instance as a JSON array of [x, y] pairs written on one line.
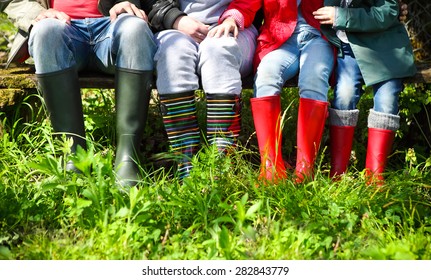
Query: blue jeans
[[349, 82], [92, 43], [305, 53]]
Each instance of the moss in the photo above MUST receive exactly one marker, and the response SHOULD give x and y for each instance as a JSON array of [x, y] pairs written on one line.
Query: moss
[[9, 97], [19, 78]]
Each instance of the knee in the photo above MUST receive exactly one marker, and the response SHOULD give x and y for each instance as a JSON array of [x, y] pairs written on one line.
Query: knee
[[313, 88], [342, 102], [48, 28], [269, 72], [133, 29], [266, 82], [219, 48], [174, 45]]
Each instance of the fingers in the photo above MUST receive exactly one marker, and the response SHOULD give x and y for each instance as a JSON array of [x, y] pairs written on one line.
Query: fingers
[[201, 33], [112, 14], [126, 7], [51, 13], [215, 32], [236, 32], [404, 9], [198, 37], [321, 17], [226, 29], [325, 15]]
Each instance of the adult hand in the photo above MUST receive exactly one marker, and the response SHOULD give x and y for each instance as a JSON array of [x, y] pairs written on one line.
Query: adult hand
[[195, 29], [325, 15], [224, 29], [126, 7], [404, 10], [51, 13]]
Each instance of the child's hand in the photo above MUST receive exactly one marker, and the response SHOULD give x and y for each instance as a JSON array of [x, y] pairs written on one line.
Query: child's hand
[[403, 11], [227, 27], [325, 15], [194, 28]]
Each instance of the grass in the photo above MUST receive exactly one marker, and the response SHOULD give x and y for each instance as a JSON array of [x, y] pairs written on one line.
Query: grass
[[220, 212]]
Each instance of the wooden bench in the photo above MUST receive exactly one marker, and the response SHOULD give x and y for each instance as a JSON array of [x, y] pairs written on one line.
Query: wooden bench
[[17, 82]]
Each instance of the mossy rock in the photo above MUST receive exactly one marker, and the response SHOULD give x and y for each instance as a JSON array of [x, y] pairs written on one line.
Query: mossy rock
[[18, 78], [10, 97]]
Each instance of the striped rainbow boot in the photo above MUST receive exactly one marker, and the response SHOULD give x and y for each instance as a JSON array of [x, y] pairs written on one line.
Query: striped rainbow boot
[[223, 120], [179, 118]]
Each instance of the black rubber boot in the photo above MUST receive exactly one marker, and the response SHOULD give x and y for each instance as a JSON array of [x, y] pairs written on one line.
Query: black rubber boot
[[62, 96], [132, 92]]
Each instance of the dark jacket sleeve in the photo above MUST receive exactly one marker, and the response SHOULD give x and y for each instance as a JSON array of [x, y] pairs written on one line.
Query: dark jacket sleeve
[[163, 14]]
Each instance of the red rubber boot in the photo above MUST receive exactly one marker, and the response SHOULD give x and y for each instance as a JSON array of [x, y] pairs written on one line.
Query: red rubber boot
[[266, 115], [312, 115], [379, 146], [341, 139]]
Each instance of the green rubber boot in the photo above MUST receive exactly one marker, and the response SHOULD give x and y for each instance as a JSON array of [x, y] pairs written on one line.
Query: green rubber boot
[[62, 96], [132, 93]]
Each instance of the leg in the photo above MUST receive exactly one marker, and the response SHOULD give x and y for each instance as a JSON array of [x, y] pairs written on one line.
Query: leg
[[179, 118], [316, 63], [222, 62], [127, 43], [56, 46], [219, 64], [349, 82], [342, 129], [343, 117], [176, 61], [223, 120], [56, 71], [222, 83], [275, 68], [382, 125], [130, 53], [267, 121]]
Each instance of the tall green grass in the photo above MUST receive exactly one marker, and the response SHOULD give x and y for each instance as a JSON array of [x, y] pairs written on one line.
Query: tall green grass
[[220, 212]]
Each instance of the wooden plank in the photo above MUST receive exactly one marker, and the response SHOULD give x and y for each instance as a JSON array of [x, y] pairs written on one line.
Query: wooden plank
[[423, 76], [24, 78]]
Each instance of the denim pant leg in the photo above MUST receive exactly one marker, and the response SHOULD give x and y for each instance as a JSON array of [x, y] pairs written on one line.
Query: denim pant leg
[[316, 64], [348, 87], [176, 62], [55, 46], [276, 68], [127, 43], [386, 95]]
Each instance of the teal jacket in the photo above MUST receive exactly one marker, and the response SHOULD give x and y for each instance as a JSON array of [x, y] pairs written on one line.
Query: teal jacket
[[378, 39]]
